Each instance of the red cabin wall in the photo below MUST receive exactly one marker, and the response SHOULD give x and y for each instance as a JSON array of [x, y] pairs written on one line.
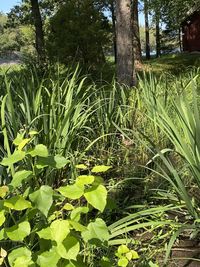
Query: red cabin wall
[[191, 33]]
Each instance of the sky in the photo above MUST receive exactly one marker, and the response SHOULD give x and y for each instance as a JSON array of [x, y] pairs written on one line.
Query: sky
[[6, 5]]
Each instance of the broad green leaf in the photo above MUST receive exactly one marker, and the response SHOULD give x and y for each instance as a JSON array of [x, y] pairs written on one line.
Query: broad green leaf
[[18, 232], [20, 253], [77, 226], [2, 217], [81, 166], [59, 230], [60, 161], [2, 235], [3, 253], [39, 150], [19, 177], [14, 158], [71, 191], [69, 248], [84, 180], [100, 168], [18, 139], [48, 258], [97, 197], [45, 233], [123, 249], [135, 255], [96, 230], [33, 133], [68, 206], [23, 261], [23, 143], [57, 162], [43, 199], [129, 256], [76, 213], [123, 262], [3, 191], [17, 203]]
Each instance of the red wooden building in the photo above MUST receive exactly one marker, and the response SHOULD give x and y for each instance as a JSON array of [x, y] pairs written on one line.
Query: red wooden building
[[191, 31]]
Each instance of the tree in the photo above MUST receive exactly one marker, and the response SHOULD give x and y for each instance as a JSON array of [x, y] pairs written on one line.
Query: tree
[[136, 34], [39, 35], [147, 36], [125, 57], [78, 33]]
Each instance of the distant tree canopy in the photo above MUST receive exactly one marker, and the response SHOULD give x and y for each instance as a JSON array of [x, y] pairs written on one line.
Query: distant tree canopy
[[19, 38]]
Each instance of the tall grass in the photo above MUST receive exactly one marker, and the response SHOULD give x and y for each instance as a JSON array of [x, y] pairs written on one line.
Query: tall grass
[[73, 115]]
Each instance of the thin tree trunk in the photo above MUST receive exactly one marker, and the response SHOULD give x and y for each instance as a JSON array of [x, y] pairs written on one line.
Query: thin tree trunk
[[180, 39], [158, 50], [136, 34], [112, 8], [147, 35], [39, 35], [125, 57]]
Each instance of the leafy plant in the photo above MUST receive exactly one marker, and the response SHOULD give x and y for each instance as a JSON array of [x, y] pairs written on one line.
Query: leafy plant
[[50, 226]]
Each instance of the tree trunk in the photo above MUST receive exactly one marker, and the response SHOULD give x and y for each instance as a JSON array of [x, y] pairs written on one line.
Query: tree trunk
[[136, 34], [39, 35], [180, 39], [112, 9], [158, 51], [124, 34], [147, 35]]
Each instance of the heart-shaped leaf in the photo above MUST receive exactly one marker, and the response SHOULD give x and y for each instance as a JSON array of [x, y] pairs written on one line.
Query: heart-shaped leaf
[[21, 255], [96, 230], [18, 232], [97, 196], [43, 199]]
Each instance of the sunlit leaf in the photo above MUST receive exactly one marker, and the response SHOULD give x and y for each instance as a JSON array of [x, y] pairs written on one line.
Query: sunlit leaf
[[96, 230], [3, 191], [123, 262], [18, 232], [69, 248], [84, 180], [14, 158], [76, 213], [97, 197], [100, 168], [2, 217], [71, 191], [39, 150], [59, 230], [81, 166], [21, 255], [43, 199], [48, 258], [17, 203]]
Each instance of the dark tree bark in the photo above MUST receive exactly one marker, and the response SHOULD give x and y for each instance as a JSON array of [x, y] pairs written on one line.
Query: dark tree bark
[[112, 9], [136, 34], [39, 35], [125, 57], [147, 35], [158, 49]]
